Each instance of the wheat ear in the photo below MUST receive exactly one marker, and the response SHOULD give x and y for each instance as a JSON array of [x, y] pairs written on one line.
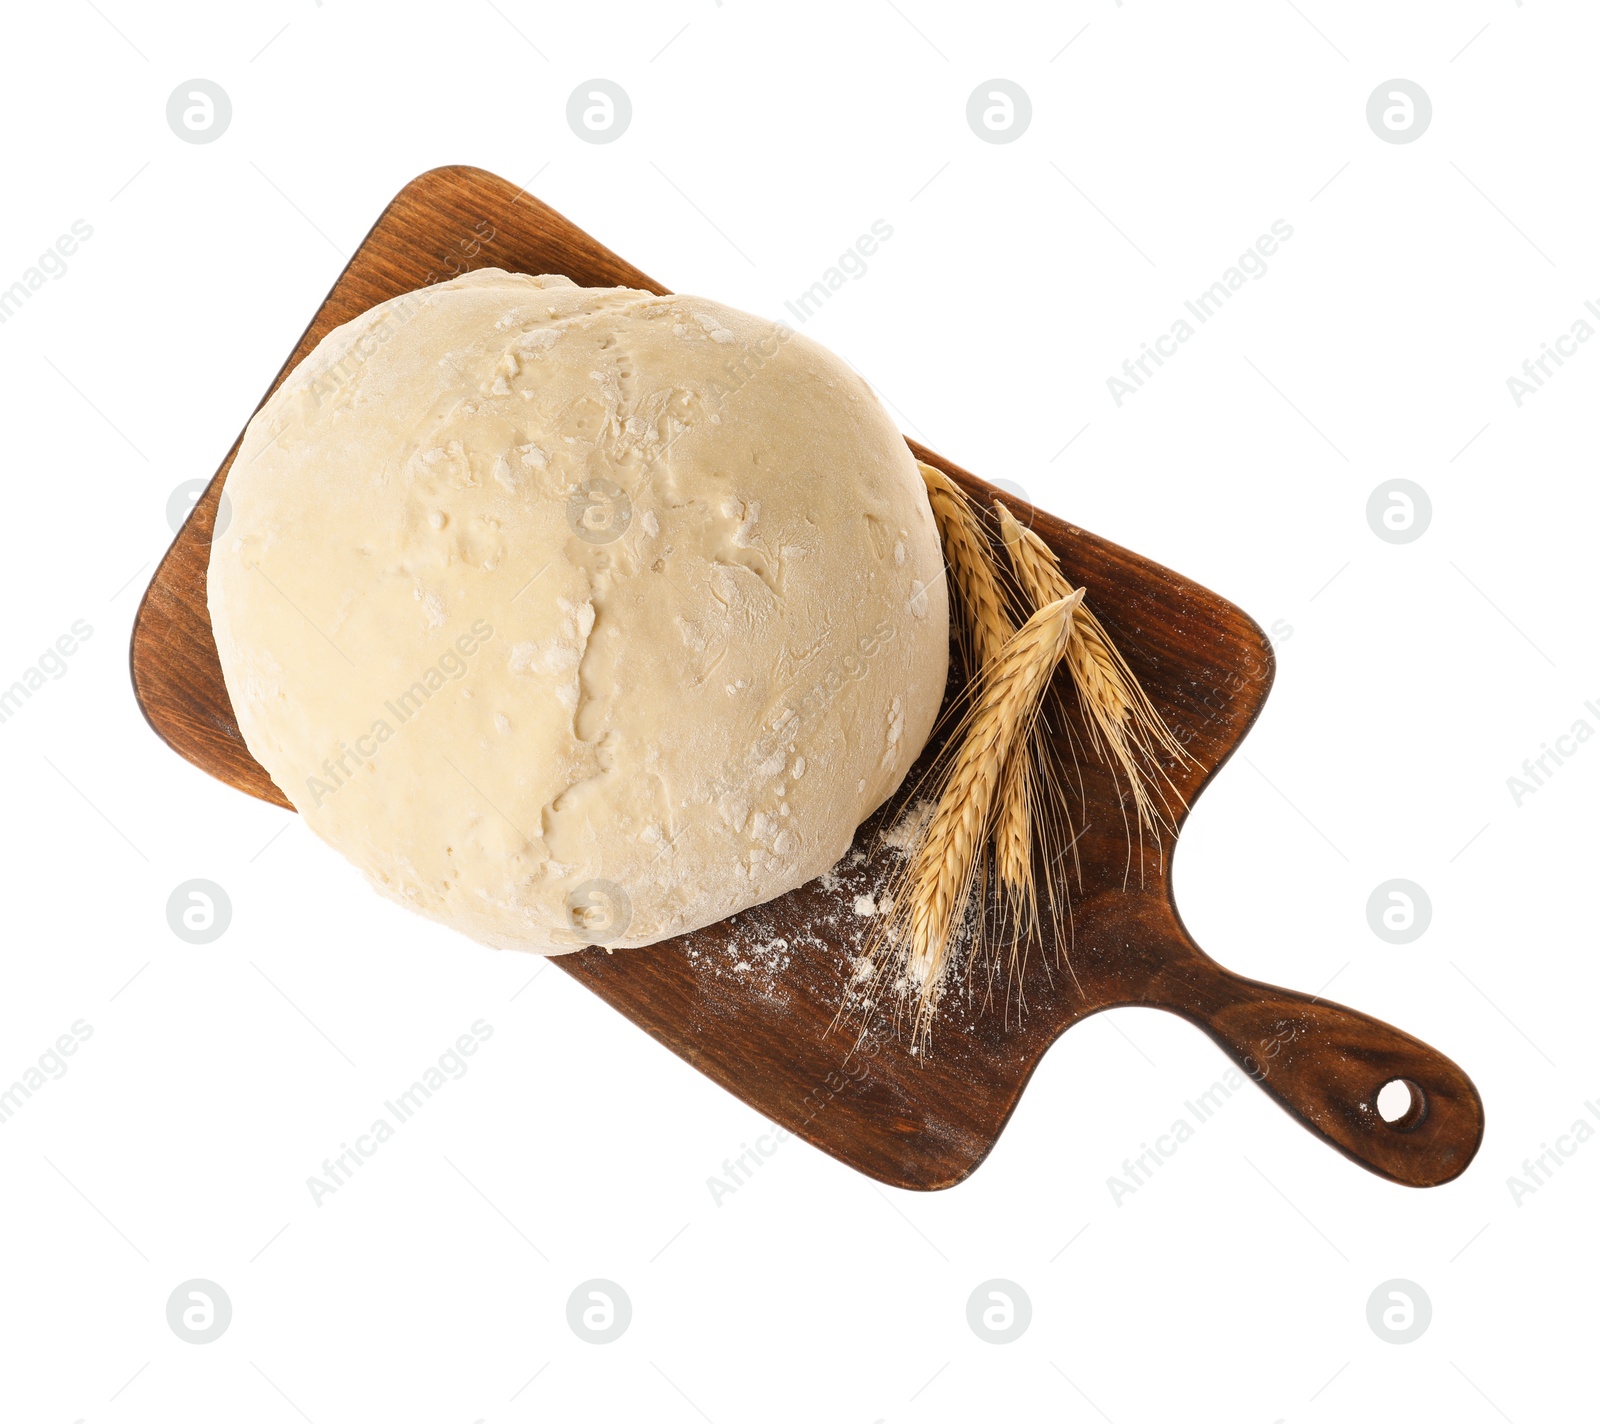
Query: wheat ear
[[1122, 722], [983, 630], [1033, 810], [1030, 792], [932, 902], [1013, 836], [983, 627]]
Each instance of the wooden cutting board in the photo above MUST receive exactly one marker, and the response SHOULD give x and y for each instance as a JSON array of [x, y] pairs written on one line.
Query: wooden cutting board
[[751, 1002]]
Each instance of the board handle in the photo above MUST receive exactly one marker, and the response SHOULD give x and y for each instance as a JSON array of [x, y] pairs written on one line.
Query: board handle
[[1326, 1064]]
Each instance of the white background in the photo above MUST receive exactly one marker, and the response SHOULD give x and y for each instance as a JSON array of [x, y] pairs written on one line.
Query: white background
[[1165, 139]]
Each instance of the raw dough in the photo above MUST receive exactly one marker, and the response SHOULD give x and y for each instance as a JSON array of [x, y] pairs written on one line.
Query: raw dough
[[578, 615]]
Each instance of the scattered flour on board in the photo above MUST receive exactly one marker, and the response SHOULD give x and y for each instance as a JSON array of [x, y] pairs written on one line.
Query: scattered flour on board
[[907, 827], [757, 961], [757, 948]]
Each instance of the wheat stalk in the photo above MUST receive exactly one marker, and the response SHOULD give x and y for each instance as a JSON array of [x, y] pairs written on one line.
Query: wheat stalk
[[983, 627], [934, 894], [983, 630], [1123, 724], [1013, 835], [1031, 812], [1000, 793]]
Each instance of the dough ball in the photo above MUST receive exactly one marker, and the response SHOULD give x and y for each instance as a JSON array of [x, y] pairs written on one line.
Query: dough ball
[[578, 615]]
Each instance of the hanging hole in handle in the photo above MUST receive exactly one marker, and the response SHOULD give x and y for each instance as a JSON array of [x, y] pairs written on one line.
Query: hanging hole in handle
[[1402, 1104]]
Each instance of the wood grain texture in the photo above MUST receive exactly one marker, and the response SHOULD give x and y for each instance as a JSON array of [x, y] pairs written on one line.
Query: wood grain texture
[[766, 1031]]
